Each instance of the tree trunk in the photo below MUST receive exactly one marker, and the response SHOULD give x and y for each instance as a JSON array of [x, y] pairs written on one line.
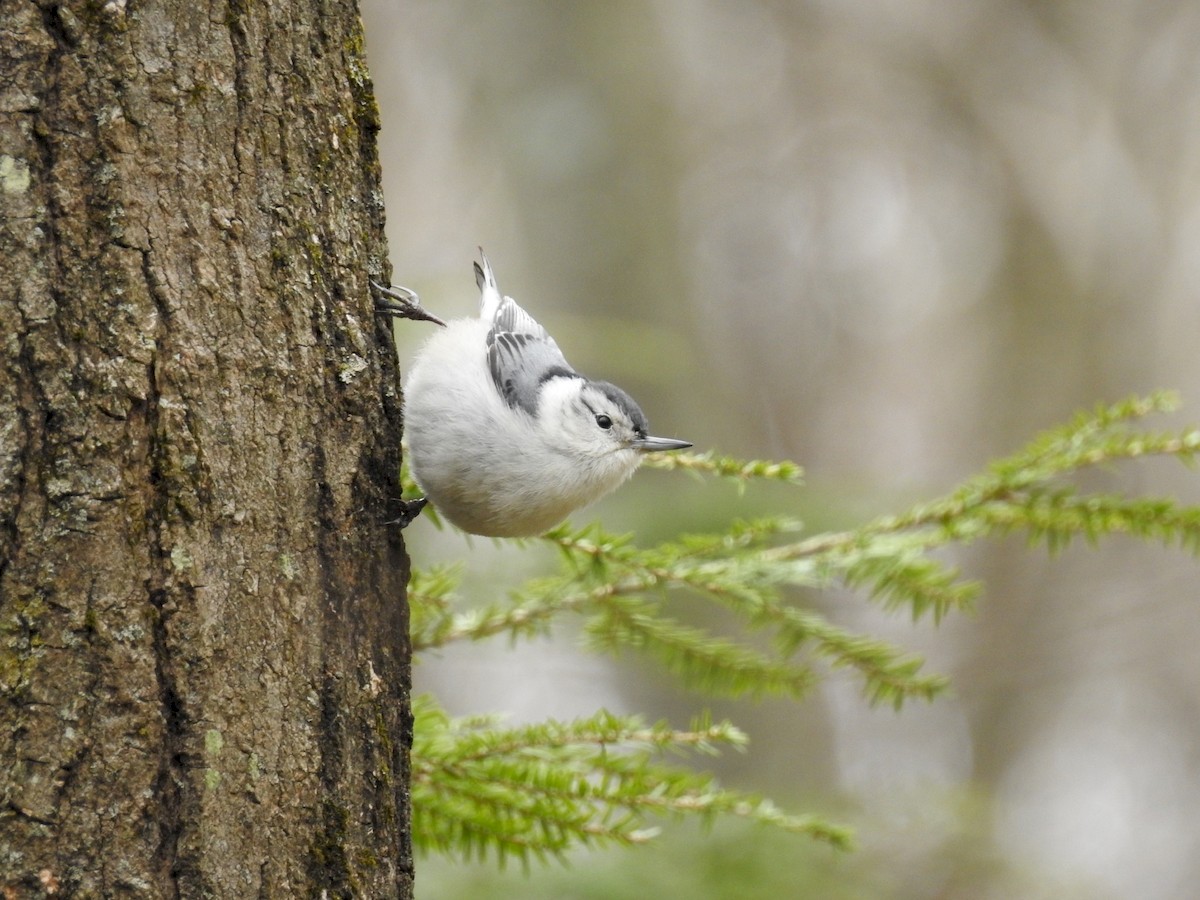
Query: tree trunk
[[203, 630]]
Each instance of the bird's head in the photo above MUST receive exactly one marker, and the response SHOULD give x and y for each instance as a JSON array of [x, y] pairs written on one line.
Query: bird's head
[[596, 422]]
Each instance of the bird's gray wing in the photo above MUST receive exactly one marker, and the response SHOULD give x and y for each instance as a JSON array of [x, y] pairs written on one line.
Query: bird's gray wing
[[521, 356]]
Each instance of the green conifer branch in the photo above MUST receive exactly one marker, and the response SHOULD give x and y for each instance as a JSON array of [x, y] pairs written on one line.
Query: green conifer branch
[[741, 471], [710, 664], [1023, 492], [535, 791], [431, 599]]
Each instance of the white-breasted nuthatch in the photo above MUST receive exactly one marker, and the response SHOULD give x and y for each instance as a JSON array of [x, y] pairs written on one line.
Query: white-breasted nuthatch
[[503, 435]]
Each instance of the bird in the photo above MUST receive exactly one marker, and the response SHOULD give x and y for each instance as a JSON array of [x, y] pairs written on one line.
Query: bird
[[503, 435]]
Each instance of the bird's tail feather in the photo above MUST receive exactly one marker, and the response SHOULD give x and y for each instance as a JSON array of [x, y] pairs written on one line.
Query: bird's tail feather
[[489, 295]]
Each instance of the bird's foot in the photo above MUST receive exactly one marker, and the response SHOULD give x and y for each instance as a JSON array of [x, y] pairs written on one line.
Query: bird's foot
[[402, 302], [409, 510]]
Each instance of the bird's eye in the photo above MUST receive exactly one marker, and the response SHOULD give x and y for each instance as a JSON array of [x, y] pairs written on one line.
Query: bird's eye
[[604, 421]]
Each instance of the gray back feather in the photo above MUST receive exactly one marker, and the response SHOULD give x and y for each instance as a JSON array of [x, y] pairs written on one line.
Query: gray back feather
[[522, 356]]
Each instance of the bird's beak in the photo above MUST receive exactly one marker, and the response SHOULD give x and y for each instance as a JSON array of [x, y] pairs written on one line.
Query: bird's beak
[[653, 444]]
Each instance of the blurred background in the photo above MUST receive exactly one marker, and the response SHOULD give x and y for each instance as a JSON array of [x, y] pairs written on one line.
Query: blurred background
[[891, 241]]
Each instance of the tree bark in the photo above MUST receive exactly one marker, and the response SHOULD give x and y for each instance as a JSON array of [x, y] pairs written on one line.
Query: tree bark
[[203, 625]]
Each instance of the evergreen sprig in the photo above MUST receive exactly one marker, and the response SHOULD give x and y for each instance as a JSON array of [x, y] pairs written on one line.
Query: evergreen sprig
[[740, 471], [621, 590], [1027, 492], [536, 791], [431, 595]]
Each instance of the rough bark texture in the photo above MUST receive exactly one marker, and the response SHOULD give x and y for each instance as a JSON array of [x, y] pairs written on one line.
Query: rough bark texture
[[203, 635]]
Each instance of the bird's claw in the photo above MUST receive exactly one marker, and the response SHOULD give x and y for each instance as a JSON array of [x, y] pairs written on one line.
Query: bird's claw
[[409, 510], [402, 302]]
